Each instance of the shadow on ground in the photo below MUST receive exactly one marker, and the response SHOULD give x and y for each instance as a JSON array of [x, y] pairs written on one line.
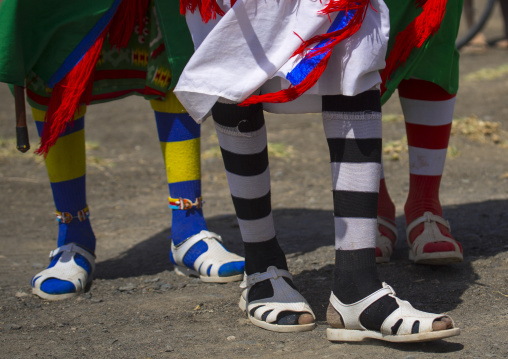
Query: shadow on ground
[[481, 228]]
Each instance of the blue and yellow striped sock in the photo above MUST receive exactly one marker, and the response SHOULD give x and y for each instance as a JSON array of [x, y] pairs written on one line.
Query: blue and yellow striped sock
[[66, 166], [179, 136]]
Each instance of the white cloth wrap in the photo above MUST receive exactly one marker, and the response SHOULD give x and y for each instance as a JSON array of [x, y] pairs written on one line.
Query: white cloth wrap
[[250, 48]]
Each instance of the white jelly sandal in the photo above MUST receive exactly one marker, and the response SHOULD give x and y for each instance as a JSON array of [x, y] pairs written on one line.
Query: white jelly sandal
[[431, 234], [284, 299], [384, 243], [402, 320], [66, 269], [207, 265]]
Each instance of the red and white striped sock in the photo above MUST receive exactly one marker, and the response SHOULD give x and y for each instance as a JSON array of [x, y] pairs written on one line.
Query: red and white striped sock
[[428, 112]]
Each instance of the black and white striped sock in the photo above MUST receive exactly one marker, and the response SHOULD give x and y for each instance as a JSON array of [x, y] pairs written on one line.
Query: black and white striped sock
[[352, 127], [242, 137]]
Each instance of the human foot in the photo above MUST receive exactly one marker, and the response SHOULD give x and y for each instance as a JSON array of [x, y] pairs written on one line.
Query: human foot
[[431, 242], [477, 45], [203, 255], [69, 273], [272, 302], [404, 324], [502, 44]]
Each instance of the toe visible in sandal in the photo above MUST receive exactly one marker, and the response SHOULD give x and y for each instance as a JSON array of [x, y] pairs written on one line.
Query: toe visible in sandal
[[265, 312], [67, 270], [432, 234], [404, 325], [215, 264], [502, 44]]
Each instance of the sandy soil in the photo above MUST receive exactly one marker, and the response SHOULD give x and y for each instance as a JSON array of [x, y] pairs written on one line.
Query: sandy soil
[[139, 308]]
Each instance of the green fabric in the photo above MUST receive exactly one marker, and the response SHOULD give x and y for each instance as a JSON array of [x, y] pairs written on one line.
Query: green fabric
[[437, 60], [179, 45], [149, 65], [38, 35]]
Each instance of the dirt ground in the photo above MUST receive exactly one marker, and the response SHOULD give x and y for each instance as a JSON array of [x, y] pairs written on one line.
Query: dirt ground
[[139, 308]]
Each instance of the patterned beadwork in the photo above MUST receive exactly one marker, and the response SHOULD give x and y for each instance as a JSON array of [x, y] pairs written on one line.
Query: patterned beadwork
[[184, 203], [66, 217]]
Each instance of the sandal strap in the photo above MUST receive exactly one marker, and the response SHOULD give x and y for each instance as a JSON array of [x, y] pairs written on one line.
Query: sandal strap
[[66, 268], [387, 224], [385, 245], [430, 235], [285, 297], [74, 248], [409, 316], [405, 316], [212, 259], [428, 217], [181, 249], [350, 313], [271, 273]]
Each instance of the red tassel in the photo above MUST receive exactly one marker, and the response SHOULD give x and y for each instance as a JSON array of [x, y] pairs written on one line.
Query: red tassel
[[76, 87], [414, 36], [209, 9], [67, 95], [305, 49], [129, 13]]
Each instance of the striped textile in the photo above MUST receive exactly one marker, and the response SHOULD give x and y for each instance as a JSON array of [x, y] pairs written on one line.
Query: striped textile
[[242, 137], [352, 127], [180, 138], [66, 166], [428, 112]]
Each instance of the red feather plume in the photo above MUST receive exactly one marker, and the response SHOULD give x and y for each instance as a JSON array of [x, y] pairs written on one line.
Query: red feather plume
[[76, 87], [414, 36]]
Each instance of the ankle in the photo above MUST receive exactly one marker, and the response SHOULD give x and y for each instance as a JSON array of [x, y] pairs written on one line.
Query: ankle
[[80, 233], [186, 223], [259, 256], [186, 204], [415, 208], [355, 274]]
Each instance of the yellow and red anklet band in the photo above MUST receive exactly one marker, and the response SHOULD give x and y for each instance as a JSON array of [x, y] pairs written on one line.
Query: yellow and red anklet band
[[184, 203], [66, 217]]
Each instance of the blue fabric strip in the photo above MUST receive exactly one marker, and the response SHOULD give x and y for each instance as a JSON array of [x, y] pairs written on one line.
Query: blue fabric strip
[[173, 127], [73, 126], [77, 54], [307, 64]]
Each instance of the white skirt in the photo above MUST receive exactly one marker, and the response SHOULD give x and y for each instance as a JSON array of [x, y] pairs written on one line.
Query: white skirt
[[249, 50]]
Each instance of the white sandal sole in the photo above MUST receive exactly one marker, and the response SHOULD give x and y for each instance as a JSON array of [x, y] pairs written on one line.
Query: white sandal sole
[[347, 335], [187, 272]]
